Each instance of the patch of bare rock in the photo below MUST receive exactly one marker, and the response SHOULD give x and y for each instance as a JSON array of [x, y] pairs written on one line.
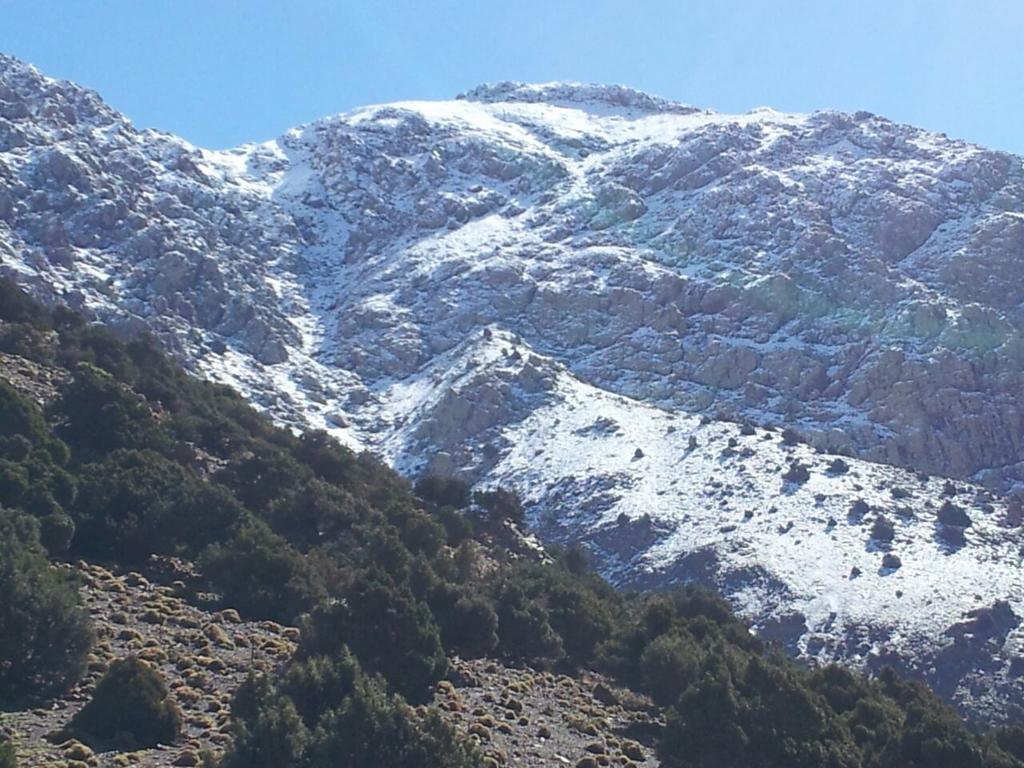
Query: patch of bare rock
[[527, 717]]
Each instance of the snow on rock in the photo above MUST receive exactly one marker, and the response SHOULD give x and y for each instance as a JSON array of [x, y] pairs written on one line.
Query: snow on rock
[[582, 291], [837, 558]]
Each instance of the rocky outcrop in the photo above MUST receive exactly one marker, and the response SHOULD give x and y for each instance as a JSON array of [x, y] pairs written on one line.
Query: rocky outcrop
[[126, 224]]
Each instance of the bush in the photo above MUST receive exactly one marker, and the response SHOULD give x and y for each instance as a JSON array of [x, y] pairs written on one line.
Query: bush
[[267, 729], [326, 457], [501, 504], [14, 483], [703, 730], [1011, 740], [838, 467], [56, 532], [524, 629], [669, 665], [469, 626], [420, 534], [388, 630], [797, 473], [457, 526], [19, 415], [953, 515], [135, 503], [326, 713], [443, 491], [264, 475], [307, 514], [758, 715], [932, 735], [24, 340], [320, 683], [16, 306], [882, 529], [130, 709], [790, 437], [7, 757], [372, 729], [101, 414], [259, 574], [580, 618], [45, 636]]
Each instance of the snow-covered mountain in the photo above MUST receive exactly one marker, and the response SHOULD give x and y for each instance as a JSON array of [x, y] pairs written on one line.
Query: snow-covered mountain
[[613, 303]]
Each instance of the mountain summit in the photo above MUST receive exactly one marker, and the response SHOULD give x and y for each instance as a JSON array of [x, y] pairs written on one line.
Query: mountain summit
[[613, 303], [572, 93]]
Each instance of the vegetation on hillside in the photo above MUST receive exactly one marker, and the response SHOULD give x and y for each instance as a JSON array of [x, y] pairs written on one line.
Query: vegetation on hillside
[[44, 634], [7, 756], [326, 712], [130, 709], [134, 458]]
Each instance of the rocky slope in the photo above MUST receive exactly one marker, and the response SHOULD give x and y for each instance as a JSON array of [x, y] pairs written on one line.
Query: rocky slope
[[203, 654], [518, 716], [566, 289], [524, 717], [836, 558]]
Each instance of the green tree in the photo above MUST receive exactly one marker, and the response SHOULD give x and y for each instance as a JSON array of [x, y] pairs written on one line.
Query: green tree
[[325, 713], [372, 730], [669, 665], [261, 575], [45, 636], [580, 617], [19, 415], [388, 630], [471, 627], [501, 504], [133, 503], [443, 491], [267, 729], [524, 629], [102, 414]]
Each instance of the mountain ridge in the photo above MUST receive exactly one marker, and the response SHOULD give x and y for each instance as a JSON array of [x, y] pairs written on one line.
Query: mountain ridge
[[849, 278]]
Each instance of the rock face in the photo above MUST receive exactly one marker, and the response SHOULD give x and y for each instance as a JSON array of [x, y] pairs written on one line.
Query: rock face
[[126, 225], [432, 279], [855, 279]]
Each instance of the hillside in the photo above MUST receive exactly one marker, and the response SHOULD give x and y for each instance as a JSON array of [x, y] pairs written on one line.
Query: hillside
[[200, 533], [615, 305], [205, 654]]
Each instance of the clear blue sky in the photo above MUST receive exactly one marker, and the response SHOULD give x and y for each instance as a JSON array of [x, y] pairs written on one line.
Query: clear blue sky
[[222, 73]]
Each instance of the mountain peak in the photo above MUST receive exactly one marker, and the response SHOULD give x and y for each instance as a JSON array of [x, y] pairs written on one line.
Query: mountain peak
[[575, 93], [533, 288], [13, 63], [28, 94]]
